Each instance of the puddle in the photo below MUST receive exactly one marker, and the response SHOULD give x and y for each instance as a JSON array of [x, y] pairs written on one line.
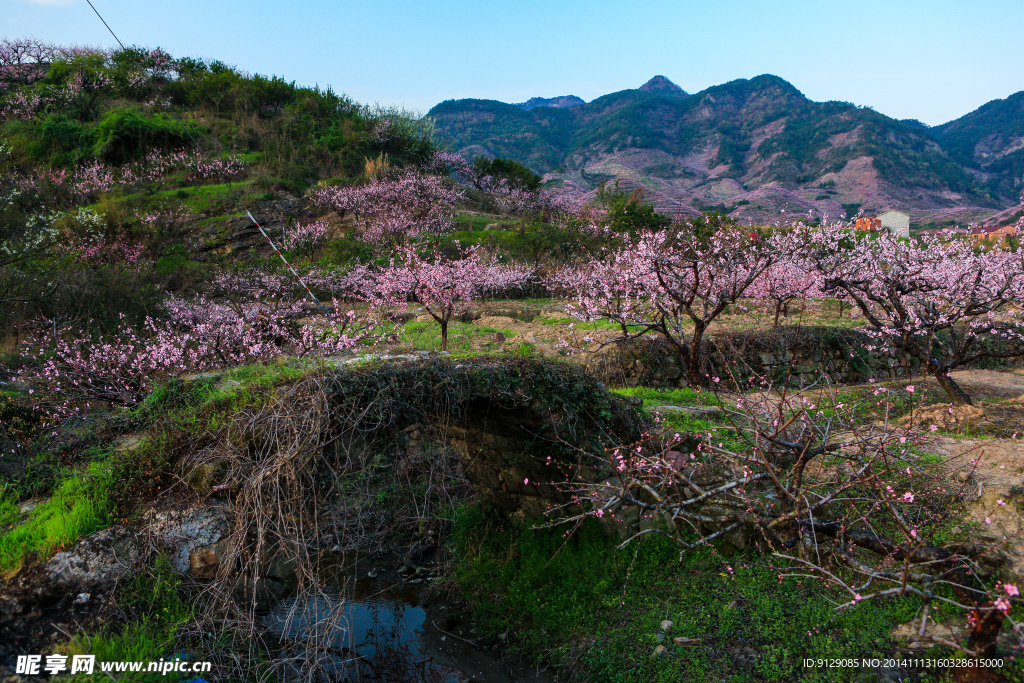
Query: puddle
[[384, 629]]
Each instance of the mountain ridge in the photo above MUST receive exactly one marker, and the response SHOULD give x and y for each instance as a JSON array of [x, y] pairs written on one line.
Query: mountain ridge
[[756, 148]]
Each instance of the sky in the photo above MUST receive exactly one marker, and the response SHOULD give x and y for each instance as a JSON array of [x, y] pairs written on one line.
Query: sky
[[932, 60]]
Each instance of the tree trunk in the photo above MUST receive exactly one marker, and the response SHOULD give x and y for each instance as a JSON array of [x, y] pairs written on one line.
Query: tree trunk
[[693, 377], [957, 396], [444, 335]]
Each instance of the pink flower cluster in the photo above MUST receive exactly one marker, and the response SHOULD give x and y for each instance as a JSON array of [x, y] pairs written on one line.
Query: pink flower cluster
[[75, 370], [101, 250], [443, 287], [304, 234], [405, 204], [92, 178]]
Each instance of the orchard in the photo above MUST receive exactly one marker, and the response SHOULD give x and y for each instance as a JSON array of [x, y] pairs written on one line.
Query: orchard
[[249, 278]]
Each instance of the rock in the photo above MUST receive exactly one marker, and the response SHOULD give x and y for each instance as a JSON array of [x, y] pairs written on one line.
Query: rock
[[205, 561], [97, 560], [683, 640], [181, 532], [81, 599], [666, 625], [30, 505], [660, 638], [955, 531], [698, 411], [659, 651], [203, 477]]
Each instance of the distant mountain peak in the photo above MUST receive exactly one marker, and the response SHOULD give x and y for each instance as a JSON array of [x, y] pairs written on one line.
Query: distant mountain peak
[[560, 102], [661, 84]]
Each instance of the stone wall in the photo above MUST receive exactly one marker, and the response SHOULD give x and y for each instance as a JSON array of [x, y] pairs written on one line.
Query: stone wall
[[797, 354]]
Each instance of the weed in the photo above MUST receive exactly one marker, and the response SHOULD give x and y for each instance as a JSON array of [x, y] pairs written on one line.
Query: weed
[[79, 506], [576, 602], [682, 397], [462, 337]]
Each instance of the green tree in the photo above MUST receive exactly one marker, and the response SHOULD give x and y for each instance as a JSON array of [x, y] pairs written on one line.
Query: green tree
[[516, 174], [628, 214]]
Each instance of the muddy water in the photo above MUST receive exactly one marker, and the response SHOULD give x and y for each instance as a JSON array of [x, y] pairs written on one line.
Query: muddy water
[[387, 629]]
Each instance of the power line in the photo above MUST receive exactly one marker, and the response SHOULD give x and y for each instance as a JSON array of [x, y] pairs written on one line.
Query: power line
[[224, 177]]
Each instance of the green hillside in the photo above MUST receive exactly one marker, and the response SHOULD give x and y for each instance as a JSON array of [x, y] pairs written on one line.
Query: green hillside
[[989, 139]]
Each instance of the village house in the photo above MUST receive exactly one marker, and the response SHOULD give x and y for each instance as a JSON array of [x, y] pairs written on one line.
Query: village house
[[896, 222], [868, 224], [991, 236]]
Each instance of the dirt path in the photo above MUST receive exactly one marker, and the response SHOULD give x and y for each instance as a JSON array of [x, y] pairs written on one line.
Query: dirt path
[[992, 383]]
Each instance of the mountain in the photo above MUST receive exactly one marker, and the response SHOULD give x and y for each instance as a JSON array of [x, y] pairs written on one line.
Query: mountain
[[991, 140], [756, 148], [561, 101], [661, 84]]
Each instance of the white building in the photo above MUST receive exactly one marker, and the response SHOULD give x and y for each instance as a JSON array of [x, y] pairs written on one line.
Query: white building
[[896, 222]]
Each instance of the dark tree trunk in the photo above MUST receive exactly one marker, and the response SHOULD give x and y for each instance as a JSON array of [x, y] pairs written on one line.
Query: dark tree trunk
[[693, 377], [957, 396], [983, 636], [444, 335]]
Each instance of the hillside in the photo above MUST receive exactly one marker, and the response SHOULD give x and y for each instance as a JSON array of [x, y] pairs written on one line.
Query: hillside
[[991, 140], [757, 148]]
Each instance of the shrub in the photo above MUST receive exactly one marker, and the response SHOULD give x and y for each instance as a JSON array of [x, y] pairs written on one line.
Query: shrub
[[516, 174], [125, 134]]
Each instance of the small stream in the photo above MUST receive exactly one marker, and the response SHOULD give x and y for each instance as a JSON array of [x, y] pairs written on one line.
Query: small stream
[[388, 629]]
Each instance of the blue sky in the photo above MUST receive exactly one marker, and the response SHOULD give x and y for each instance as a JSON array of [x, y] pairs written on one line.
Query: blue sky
[[932, 60]]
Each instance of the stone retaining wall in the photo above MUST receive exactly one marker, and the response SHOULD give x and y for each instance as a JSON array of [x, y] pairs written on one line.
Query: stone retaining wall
[[799, 354]]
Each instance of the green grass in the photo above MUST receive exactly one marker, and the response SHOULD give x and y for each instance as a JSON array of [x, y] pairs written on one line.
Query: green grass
[[680, 397], [426, 335], [587, 600], [79, 506], [583, 325]]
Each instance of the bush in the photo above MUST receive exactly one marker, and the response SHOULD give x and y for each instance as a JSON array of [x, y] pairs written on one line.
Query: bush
[[628, 214], [518, 176], [126, 134]]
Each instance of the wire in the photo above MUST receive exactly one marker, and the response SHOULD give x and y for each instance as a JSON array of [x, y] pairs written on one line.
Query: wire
[[227, 181]]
